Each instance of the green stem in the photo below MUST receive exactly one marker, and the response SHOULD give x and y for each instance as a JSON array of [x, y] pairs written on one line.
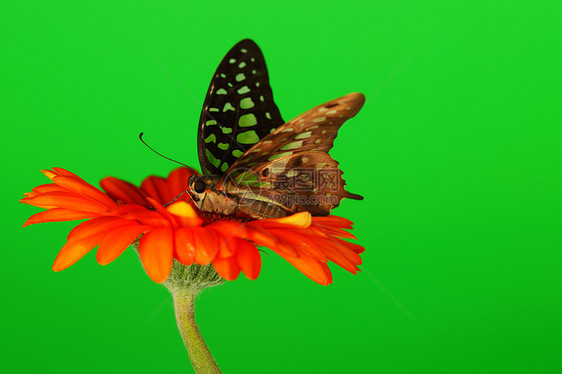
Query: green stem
[[200, 356]]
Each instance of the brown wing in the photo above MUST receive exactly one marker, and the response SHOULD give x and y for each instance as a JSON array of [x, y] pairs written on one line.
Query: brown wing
[[291, 166]]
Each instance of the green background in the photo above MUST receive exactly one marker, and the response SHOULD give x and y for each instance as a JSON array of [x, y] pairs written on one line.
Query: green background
[[457, 152]]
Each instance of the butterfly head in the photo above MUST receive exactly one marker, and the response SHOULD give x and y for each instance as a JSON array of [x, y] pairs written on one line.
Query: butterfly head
[[202, 185]]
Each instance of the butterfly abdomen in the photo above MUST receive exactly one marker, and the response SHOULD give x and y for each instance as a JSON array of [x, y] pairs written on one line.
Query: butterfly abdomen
[[261, 209]]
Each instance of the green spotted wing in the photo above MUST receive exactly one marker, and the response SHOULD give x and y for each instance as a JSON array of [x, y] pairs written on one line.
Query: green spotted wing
[[291, 166], [239, 109]]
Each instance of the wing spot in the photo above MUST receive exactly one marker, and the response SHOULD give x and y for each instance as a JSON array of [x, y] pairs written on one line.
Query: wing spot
[[248, 137], [312, 127], [257, 84], [247, 120], [303, 135], [268, 115], [243, 50], [332, 112], [261, 98], [221, 91], [292, 145], [226, 130], [223, 146], [324, 132], [213, 109], [212, 159], [223, 75], [246, 103], [279, 155], [232, 60], [228, 107], [240, 77], [243, 90], [224, 167], [253, 59], [211, 139], [317, 141], [288, 129], [237, 153], [242, 65], [254, 71], [319, 119], [210, 122]]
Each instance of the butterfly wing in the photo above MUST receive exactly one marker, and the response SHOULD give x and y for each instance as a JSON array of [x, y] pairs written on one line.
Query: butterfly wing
[[239, 109], [291, 166]]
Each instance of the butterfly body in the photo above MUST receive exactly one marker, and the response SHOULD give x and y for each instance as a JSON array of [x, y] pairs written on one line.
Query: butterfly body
[[217, 203], [256, 165]]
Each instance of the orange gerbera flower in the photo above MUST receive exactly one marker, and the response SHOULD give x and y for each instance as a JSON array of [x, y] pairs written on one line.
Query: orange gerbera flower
[[116, 218]]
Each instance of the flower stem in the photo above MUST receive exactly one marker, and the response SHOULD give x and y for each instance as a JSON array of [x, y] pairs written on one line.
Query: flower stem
[[200, 356]]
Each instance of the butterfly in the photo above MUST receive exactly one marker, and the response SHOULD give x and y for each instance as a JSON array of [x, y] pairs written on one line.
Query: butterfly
[[256, 165]]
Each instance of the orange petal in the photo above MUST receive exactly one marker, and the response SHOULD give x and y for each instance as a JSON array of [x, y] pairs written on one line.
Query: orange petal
[[95, 226], [127, 192], [49, 174], [157, 188], [65, 200], [340, 255], [84, 189], [226, 267], [73, 251], [260, 236], [58, 215], [116, 241], [352, 246], [143, 215], [333, 221], [292, 241], [248, 258], [315, 270], [227, 245], [64, 172], [228, 229], [206, 245], [156, 249], [335, 231], [312, 230], [184, 249], [51, 187], [227, 248], [163, 212], [177, 180], [281, 246]]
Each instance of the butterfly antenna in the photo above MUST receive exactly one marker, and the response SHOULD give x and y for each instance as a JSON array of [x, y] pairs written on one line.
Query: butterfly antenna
[[158, 153], [177, 197]]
